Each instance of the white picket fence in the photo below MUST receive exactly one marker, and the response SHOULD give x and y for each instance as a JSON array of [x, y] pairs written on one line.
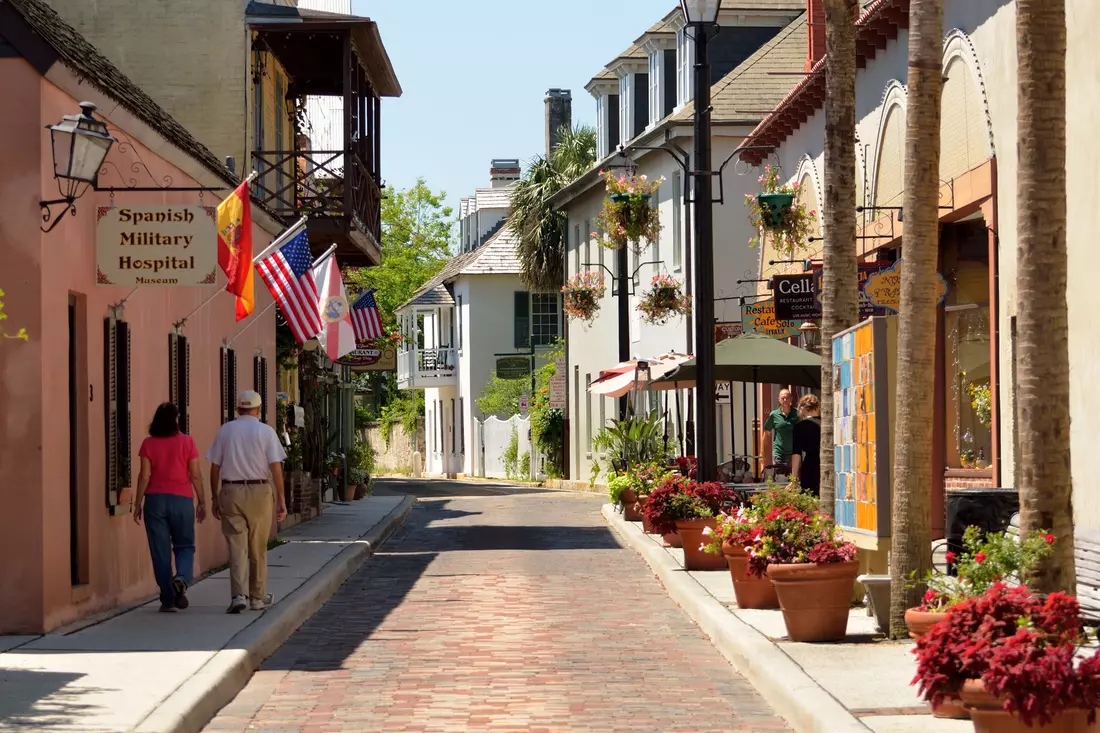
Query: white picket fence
[[494, 435]]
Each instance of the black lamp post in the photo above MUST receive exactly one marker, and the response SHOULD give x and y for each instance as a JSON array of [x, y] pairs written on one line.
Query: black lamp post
[[701, 17], [80, 145]]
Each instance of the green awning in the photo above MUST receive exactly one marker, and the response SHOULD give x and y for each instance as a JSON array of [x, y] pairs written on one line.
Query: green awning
[[753, 357]]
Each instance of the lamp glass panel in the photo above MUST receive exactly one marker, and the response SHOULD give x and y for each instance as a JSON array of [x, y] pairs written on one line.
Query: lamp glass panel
[[61, 137], [88, 155], [700, 11]]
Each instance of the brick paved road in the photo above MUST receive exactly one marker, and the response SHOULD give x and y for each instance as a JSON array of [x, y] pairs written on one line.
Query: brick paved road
[[499, 611]]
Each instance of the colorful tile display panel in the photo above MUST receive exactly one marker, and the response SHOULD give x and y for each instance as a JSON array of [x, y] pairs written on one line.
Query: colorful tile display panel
[[855, 423]]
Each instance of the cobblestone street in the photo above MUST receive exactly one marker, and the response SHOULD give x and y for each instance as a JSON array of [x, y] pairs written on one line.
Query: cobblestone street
[[499, 610]]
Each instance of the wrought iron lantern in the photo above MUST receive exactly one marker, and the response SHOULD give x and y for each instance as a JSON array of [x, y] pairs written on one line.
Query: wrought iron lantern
[[700, 12], [80, 145], [811, 336]]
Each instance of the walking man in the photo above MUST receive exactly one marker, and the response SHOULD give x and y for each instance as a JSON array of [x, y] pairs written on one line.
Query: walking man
[[781, 423], [246, 480]]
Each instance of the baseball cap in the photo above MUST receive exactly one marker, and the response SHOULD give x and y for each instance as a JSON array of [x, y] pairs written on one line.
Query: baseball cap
[[248, 399]]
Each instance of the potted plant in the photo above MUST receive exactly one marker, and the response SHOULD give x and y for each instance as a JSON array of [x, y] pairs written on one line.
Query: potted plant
[[627, 217], [736, 533], [1013, 658], [663, 300], [689, 508], [813, 569], [582, 294], [621, 492], [775, 211]]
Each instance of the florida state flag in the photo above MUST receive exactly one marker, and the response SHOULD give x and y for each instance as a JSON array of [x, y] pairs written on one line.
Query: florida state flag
[[235, 248]]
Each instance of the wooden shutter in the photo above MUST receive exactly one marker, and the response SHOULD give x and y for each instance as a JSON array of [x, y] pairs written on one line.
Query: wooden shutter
[[523, 320], [223, 383], [123, 344], [110, 410], [184, 381], [259, 380], [231, 367]]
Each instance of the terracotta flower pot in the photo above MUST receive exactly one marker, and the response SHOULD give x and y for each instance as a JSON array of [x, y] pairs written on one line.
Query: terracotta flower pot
[[750, 591], [990, 717], [815, 598], [691, 533], [647, 526], [919, 622], [672, 539], [630, 506]]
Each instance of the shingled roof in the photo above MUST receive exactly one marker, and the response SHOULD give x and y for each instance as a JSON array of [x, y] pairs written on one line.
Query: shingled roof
[[73, 50], [496, 257]]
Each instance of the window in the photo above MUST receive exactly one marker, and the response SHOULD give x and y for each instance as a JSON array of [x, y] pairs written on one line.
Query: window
[[655, 202], [522, 319], [603, 412], [677, 221], [116, 375], [259, 380], [544, 318], [626, 107], [461, 426], [601, 126], [458, 315], [228, 384], [453, 426], [179, 378], [685, 48], [439, 412], [588, 414], [577, 416], [655, 86], [613, 136], [258, 71]]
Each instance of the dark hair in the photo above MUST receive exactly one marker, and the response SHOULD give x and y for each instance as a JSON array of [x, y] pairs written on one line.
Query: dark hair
[[165, 421]]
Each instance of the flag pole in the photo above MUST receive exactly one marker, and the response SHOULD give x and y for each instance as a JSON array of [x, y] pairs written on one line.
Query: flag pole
[[281, 239], [254, 320], [183, 321]]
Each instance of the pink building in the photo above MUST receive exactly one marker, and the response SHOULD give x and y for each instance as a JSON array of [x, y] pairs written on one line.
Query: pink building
[[68, 544]]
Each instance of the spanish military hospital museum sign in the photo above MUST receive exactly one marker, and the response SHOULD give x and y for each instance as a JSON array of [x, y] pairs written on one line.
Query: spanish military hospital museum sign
[[156, 245]]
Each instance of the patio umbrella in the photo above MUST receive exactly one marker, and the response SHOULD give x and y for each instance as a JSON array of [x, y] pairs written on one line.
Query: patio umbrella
[[752, 357], [619, 379]]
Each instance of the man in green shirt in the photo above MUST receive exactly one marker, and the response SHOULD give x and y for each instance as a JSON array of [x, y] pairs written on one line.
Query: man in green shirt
[[781, 424]]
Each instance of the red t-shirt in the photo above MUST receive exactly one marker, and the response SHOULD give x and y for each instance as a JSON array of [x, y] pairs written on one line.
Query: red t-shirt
[[169, 457]]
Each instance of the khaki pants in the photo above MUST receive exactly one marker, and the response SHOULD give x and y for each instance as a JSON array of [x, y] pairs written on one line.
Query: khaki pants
[[246, 524]]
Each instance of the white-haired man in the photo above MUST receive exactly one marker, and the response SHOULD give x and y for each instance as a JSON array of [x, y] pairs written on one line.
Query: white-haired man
[[246, 480]]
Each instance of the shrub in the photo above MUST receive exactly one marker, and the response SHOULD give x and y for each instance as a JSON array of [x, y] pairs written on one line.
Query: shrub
[[789, 536], [678, 497], [510, 459]]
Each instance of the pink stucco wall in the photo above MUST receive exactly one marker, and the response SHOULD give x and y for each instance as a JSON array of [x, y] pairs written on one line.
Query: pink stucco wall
[[38, 273]]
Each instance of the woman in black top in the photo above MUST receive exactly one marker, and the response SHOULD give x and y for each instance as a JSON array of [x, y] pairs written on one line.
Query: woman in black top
[[806, 449]]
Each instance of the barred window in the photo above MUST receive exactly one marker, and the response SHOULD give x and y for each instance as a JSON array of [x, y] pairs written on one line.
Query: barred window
[[179, 378], [259, 381], [116, 377], [545, 315], [228, 384]]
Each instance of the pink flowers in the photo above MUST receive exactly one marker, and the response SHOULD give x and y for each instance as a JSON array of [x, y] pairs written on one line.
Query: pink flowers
[[980, 558], [950, 557]]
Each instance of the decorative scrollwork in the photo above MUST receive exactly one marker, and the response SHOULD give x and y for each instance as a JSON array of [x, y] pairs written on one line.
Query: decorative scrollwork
[[125, 147], [69, 207]]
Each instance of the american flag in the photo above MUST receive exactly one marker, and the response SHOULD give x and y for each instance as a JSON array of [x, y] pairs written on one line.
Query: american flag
[[365, 318], [288, 276]]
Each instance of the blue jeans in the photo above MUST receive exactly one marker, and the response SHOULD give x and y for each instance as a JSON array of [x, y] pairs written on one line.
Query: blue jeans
[[170, 527]]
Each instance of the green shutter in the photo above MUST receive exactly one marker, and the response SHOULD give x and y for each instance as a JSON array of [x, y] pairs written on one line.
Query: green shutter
[[523, 320]]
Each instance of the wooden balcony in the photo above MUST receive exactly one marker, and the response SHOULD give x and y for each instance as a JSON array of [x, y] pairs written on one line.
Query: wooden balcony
[[331, 187], [420, 368]]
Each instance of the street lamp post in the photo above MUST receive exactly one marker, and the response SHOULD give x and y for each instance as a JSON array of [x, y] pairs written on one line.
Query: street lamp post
[[623, 301], [701, 16]]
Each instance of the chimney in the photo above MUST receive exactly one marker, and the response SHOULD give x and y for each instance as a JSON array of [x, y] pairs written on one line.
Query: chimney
[[559, 114], [815, 16], [503, 172]]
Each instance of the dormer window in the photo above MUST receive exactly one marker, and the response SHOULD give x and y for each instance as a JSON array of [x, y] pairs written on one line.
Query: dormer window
[[685, 53], [606, 92], [633, 100], [661, 50]]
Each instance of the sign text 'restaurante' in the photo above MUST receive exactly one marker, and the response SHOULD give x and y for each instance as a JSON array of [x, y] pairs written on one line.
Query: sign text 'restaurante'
[[156, 245]]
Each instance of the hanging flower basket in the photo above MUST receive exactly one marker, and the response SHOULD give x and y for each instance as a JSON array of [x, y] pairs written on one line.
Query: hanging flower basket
[[582, 295], [664, 300], [776, 213], [627, 217]]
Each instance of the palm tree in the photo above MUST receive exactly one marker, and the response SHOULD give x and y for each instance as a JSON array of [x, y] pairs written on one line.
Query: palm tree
[[916, 369], [1042, 384], [840, 277], [540, 228]]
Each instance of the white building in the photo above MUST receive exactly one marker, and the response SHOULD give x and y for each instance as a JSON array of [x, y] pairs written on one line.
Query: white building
[[978, 227], [461, 322], [644, 101]]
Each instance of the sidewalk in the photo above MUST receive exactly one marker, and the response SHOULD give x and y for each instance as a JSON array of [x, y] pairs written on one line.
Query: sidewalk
[[857, 686], [149, 672]]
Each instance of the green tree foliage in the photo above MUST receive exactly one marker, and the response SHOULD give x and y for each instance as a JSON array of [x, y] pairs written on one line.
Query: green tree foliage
[[540, 228], [500, 397]]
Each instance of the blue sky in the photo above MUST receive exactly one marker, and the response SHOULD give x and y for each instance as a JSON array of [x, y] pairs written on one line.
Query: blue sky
[[475, 73]]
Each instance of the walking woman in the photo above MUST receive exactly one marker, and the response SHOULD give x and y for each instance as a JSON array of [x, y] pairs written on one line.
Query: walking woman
[[169, 481]]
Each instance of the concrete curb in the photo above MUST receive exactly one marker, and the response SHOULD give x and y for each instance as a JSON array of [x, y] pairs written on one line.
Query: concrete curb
[[792, 693], [195, 703]]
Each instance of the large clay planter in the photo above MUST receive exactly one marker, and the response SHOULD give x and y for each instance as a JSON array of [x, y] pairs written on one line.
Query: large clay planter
[[750, 591], [691, 534], [990, 717], [647, 526], [630, 506], [672, 539], [918, 623], [815, 598]]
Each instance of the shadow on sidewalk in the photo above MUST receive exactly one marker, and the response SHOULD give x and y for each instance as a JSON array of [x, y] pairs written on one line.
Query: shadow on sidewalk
[[34, 700]]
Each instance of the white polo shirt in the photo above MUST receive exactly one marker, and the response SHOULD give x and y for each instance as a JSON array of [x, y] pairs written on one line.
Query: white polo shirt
[[245, 448]]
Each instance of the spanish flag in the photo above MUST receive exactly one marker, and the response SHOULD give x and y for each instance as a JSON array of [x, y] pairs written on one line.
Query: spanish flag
[[235, 248]]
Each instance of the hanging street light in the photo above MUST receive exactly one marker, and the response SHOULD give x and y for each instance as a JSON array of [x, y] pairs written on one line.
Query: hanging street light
[[80, 145], [700, 12]]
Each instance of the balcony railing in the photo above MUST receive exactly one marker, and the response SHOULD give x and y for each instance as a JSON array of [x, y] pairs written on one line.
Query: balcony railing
[[333, 185], [418, 368]]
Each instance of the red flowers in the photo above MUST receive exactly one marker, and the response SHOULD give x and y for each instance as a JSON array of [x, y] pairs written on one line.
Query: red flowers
[[1049, 539], [979, 558], [950, 557], [929, 596]]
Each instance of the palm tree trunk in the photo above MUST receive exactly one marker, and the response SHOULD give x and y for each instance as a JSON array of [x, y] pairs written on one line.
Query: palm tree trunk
[[840, 277], [916, 369], [1043, 412]]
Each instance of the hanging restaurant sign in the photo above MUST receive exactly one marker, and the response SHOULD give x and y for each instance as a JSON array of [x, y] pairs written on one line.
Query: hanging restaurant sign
[[370, 357], [795, 297], [883, 289], [760, 318], [723, 331], [156, 245]]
